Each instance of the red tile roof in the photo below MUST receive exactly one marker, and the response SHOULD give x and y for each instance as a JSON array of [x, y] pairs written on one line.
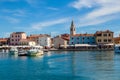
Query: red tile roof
[[3, 39], [84, 34], [106, 31]]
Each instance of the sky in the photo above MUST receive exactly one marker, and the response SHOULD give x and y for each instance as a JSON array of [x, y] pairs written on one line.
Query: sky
[[54, 16]]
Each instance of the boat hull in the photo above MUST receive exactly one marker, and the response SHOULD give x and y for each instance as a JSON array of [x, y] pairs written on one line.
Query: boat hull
[[22, 54], [13, 52], [32, 53]]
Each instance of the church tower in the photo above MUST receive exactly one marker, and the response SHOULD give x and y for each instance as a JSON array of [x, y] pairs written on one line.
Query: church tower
[[72, 29]]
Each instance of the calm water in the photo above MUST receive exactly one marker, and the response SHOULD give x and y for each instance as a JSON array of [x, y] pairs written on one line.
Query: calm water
[[79, 65]]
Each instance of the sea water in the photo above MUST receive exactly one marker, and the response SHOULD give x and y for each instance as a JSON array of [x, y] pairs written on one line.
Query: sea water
[[61, 65]]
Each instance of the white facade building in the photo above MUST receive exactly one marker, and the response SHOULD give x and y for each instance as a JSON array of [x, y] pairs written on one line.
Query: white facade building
[[26, 42], [59, 41], [45, 41]]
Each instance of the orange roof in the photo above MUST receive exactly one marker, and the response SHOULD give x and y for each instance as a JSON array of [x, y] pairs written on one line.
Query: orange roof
[[65, 35], [83, 35], [3, 39], [38, 35], [106, 31], [117, 38], [66, 38]]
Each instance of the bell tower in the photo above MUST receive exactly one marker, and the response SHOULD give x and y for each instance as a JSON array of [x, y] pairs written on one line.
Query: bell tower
[[72, 29]]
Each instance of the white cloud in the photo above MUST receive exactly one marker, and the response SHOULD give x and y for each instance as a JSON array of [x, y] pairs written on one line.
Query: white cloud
[[12, 20], [104, 11], [52, 8], [78, 4], [17, 12], [33, 3], [40, 25], [90, 22]]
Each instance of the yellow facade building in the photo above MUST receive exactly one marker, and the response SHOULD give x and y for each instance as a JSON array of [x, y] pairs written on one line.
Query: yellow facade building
[[104, 37]]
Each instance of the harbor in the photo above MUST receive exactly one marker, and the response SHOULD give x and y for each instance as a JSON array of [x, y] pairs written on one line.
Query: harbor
[[59, 40], [62, 65]]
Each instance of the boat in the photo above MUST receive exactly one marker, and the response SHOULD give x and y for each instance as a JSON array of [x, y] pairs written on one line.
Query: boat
[[45, 50], [13, 51], [117, 49], [22, 53], [35, 51]]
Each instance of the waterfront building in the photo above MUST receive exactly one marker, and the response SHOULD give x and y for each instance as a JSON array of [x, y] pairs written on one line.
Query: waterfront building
[[82, 39], [35, 37], [45, 41], [104, 37], [3, 41], [61, 41], [117, 40], [26, 42], [15, 37]]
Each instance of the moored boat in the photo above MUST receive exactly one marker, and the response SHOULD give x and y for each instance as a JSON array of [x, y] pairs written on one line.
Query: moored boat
[[35, 51], [22, 53], [13, 51], [117, 49]]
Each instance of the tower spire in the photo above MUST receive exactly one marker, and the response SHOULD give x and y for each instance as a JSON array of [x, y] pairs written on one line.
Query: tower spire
[[72, 28]]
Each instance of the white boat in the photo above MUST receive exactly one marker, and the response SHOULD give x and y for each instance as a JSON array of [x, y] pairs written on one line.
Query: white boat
[[13, 51], [22, 53], [117, 49], [35, 51]]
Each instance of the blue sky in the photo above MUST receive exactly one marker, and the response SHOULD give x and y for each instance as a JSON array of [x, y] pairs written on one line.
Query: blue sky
[[55, 16]]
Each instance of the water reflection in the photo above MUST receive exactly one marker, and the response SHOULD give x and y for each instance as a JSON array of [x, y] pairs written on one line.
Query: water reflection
[[60, 65], [104, 55]]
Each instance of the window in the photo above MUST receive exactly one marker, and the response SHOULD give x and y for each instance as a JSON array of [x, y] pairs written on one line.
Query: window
[[99, 35], [104, 34], [72, 42], [83, 38], [105, 40], [109, 34], [109, 40], [72, 38], [99, 40]]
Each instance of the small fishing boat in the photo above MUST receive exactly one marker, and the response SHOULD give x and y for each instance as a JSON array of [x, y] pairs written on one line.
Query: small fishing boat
[[22, 53], [35, 51], [13, 51]]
